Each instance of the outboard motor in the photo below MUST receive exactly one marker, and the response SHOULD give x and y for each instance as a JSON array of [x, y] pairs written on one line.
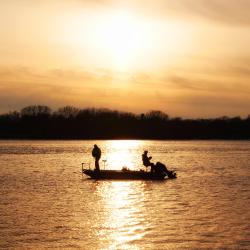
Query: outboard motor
[[162, 168]]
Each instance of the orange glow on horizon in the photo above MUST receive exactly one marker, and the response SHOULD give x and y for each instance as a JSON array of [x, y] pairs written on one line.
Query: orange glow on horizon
[[133, 56]]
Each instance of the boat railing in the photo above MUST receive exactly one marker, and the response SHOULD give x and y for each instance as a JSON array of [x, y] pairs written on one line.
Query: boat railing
[[104, 163], [88, 163], [84, 163]]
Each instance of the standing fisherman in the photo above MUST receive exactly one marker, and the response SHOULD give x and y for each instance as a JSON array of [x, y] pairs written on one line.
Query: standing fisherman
[[96, 153]]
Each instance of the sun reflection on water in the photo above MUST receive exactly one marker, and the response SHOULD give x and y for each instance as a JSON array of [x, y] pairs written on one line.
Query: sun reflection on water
[[123, 153], [124, 206]]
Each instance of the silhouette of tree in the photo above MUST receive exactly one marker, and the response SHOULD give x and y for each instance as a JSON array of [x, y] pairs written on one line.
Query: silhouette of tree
[[36, 110], [67, 111], [157, 115], [38, 122]]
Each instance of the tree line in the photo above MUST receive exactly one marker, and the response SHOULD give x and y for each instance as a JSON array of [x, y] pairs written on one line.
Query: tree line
[[40, 122]]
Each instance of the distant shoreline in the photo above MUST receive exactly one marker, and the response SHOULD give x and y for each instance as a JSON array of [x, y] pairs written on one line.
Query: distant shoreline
[[69, 123], [116, 139]]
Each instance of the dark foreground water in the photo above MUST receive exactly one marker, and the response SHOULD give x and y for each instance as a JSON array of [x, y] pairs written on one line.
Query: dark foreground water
[[47, 203]]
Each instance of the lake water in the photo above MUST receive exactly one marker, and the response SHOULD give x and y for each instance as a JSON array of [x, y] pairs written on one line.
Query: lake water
[[47, 203]]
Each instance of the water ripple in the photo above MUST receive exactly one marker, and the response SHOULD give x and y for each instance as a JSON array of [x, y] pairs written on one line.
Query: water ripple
[[46, 203]]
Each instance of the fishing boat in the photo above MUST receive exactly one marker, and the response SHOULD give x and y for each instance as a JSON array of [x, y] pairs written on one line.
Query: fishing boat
[[127, 174]]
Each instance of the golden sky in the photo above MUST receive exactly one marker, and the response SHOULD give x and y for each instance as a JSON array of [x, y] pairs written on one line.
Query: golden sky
[[188, 58]]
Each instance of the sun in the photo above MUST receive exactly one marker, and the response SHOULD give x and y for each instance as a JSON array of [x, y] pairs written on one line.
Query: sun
[[122, 37], [122, 40]]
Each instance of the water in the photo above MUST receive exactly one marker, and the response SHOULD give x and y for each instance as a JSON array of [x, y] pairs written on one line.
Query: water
[[47, 203]]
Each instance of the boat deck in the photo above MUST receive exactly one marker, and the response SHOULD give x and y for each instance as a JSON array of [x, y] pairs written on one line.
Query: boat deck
[[124, 174]]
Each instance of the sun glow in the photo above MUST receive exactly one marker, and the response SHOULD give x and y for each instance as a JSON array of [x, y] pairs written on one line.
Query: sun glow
[[123, 41], [122, 36]]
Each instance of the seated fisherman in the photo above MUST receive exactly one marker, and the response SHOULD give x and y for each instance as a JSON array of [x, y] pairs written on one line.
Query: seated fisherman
[[146, 160]]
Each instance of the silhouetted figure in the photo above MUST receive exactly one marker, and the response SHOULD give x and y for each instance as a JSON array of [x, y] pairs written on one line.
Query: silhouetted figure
[[96, 153], [146, 160], [160, 167]]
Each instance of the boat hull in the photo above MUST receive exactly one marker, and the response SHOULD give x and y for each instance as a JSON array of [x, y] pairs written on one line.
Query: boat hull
[[123, 175]]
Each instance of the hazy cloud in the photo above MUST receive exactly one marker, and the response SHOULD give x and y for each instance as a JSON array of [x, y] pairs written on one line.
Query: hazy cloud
[[227, 11], [178, 93]]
